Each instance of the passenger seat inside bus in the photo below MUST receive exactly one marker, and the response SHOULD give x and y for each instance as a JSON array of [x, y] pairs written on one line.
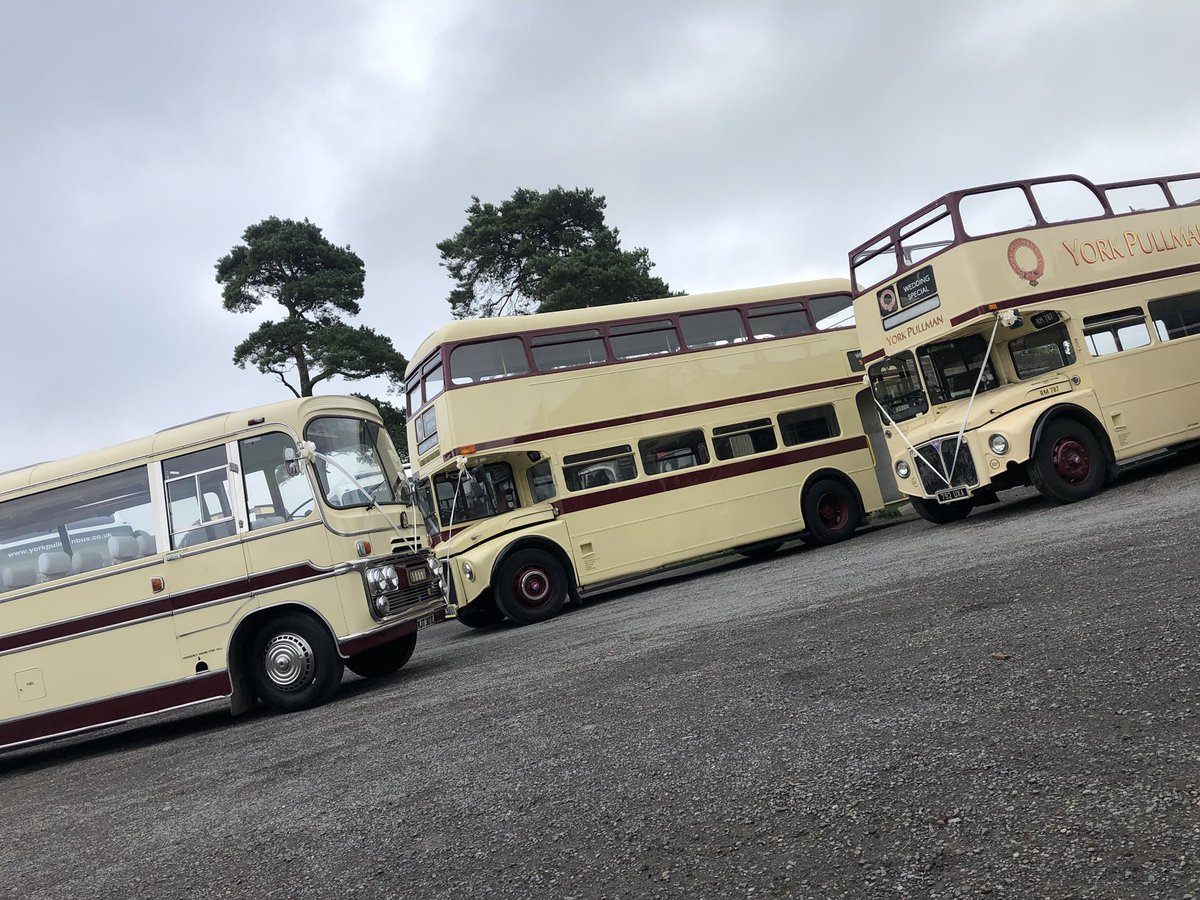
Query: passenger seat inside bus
[[18, 576], [54, 564], [86, 561], [147, 545], [123, 548]]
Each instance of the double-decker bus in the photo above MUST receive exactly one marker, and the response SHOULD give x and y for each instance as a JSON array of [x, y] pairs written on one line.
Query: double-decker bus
[[248, 555], [1044, 331], [564, 451]]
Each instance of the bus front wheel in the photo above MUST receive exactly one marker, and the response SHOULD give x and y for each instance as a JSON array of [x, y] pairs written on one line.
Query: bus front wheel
[[530, 586], [294, 663], [941, 513], [384, 659], [830, 512], [1069, 462]]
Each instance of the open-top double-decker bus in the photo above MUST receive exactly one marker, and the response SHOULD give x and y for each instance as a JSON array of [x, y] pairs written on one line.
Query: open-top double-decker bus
[[564, 451], [1044, 331]]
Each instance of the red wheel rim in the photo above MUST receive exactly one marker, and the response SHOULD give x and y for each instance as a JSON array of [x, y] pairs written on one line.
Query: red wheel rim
[[532, 586], [833, 511], [1072, 462]]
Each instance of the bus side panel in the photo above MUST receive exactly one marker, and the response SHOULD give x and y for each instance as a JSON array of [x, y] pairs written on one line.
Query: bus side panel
[[95, 650], [1151, 395]]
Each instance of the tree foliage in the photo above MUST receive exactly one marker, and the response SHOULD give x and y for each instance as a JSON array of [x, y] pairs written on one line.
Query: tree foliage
[[319, 285], [539, 252]]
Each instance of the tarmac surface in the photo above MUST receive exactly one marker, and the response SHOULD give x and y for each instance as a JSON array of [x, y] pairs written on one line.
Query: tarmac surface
[[1005, 707]]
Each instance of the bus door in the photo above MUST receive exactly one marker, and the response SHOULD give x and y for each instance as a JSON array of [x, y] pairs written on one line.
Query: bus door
[[205, 570], [873, 428]]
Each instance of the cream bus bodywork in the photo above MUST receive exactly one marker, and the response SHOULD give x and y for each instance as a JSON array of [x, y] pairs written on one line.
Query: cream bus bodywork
[[582, 490], [167, 613], [1090, 318]]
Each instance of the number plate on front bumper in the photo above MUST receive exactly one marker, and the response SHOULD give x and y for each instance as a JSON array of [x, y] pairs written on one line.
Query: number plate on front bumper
[[951, 494], [426, 621]]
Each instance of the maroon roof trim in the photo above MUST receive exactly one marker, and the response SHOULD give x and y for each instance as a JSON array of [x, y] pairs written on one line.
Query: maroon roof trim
[[116, 709], [135, 612], [704, 474], [658, 414]]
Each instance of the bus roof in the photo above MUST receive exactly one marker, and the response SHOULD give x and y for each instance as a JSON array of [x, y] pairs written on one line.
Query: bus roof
[[176, 437], [470, 329]]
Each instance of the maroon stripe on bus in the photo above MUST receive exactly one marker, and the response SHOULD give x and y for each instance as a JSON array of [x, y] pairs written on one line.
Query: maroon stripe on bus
[[658, 414], [1044, 296], [116, 709], [702, 475], [871, 357], [127, 615]]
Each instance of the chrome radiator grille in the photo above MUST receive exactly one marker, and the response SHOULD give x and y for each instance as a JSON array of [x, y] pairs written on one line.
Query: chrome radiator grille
[[939, 455]]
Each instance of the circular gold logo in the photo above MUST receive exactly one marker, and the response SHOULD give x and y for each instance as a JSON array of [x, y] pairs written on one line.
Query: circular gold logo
[[887, 301]]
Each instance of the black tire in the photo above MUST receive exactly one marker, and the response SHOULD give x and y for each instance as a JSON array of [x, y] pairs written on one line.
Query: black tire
[[481, 613], [530, 587], [830, 511], [765, 550], [942, 513], [384, 659], [1069, 463], [294, 663]]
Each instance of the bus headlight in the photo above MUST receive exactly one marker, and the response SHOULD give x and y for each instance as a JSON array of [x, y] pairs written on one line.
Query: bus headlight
[[902, 469], [383, 579], [468, 572], [381, 605], [999, 444]]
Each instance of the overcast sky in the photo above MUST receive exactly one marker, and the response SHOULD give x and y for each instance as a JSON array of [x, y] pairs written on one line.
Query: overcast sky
[[742, 143]]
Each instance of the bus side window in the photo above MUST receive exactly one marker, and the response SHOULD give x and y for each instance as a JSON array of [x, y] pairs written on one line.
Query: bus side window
[[803, 426], [1113, 332], [272, 495], [541, 482], [1176, 317], [198, 507], [673, 451], [598, 467]]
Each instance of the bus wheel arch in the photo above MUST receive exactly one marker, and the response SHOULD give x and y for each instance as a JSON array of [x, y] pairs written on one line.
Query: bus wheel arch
[[1070, 456], [832, 507], [302, 641], [532, 580]]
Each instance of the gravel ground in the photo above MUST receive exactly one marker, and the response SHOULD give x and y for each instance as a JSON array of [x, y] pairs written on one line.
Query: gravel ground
[[828, 723]]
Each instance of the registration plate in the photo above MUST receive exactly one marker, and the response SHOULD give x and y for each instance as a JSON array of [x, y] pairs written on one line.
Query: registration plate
[[951, 494], [426, 621]]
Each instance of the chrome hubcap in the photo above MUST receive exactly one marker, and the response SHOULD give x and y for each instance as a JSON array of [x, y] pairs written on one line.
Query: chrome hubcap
[[533, 586], [288, 660]]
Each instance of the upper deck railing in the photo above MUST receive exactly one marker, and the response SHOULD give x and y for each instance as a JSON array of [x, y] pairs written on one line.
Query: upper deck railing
[[1005, 207]]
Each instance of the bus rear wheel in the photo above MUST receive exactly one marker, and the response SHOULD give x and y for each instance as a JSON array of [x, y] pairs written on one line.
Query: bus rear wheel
[[1069, 463], [530, 586], [942, 513], [830, 512], [294, 663], [384, 659]]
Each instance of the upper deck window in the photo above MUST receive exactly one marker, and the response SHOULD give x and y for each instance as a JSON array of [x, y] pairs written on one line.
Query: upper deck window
[[832, 312], [1066, 201], [712, 329], [568, 349], [994, 212], [640, 339], [779, 320], [434, 379], [1136, 197], [502, 358], [1185, 190]]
